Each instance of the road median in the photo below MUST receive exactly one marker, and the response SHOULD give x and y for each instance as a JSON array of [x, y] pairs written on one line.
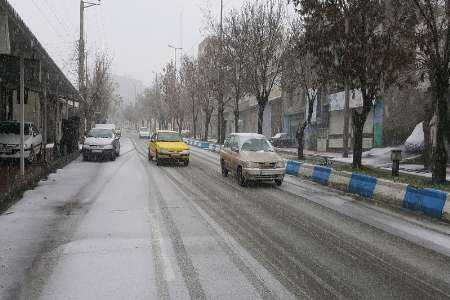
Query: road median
[[431, 202]]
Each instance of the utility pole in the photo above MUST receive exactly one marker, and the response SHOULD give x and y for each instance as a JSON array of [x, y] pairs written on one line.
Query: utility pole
[[220, 111], [81, 46], [22, 116]]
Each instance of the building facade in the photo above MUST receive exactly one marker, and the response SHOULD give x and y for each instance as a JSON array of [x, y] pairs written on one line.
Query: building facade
[[49, 96]]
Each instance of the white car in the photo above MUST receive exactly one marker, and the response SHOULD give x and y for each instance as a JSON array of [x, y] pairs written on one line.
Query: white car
[[144, 133], [10, 141], [101, 143]]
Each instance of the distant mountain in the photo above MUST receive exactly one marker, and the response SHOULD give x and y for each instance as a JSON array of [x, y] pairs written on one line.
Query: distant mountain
[[128, 88]]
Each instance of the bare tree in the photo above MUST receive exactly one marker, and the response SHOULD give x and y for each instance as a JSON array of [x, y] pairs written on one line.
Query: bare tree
[[207, 77], [99, 90], [266, 41], [235, 34], [189, 77], [172, 90], [302, 70]]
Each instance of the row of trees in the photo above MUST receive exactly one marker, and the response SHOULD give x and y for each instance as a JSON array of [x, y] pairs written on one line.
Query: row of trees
[[242, 56], [314, 46], [371, 45]]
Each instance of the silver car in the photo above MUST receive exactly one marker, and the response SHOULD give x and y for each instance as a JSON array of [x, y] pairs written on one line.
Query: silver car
[[250, 157]]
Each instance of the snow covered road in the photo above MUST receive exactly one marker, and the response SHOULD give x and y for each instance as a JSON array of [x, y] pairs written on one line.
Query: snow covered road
[[132, 230]]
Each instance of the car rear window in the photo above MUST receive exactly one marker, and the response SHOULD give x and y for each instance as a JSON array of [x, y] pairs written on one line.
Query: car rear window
[[256, 144], [168, 137]]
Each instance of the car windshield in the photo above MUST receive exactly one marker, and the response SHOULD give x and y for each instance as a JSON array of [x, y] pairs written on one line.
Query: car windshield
[[101, 133], [256, 144], [168, 137], [13, 128]]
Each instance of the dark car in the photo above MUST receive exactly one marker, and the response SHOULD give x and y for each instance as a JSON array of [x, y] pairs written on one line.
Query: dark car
[[282, 140]]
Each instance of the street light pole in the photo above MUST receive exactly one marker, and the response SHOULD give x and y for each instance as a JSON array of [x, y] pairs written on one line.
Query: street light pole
[[175, 60]]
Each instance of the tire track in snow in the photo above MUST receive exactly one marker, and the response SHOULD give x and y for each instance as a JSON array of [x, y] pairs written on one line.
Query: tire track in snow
[[185, 264]]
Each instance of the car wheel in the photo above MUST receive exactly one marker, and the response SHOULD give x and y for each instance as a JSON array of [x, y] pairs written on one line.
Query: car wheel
[[279, 182], [85, 157], [240, 177], [223, 168], [186, 162]]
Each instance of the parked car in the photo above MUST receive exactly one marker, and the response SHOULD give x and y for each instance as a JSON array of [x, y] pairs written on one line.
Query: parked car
[[282, 140], [144, 132], [119, 132], [101, 143], [10, 141], [250, 156], [167, 145]]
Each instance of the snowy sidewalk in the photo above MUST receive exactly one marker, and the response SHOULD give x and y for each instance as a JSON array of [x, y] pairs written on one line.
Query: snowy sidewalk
[[379, 158], [34, 230], [27, 225]]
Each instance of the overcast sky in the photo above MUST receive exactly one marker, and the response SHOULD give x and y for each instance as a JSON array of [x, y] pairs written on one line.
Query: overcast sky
[[135, 32]]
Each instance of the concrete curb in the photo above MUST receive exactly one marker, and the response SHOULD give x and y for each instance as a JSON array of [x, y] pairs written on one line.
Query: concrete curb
[[434, 203], [203, 145]]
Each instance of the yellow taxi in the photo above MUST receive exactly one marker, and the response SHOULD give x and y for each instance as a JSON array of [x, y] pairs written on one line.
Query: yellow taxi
[[166, 145]]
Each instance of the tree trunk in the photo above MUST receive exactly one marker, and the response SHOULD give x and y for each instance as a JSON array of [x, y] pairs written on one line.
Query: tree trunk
[[236, 113], [261, 107], [193, 118], [220, 122], [180, 125], [358, 128], [194, 128], [236, 121], [440, 139], [222, 139], [346, 119], [428, 147], [300, 140], [207, 122]]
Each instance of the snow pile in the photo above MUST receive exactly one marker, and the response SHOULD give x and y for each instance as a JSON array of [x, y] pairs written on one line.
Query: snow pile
[[415, 142]]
